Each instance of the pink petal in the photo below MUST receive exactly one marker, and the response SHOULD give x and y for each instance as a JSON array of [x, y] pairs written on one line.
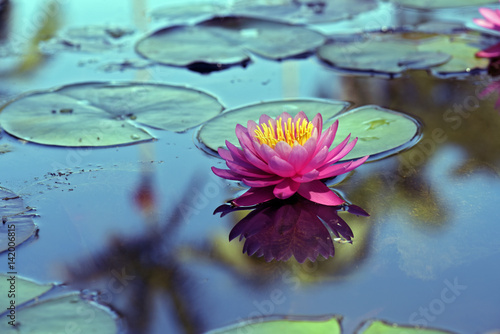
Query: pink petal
[[284, 116], [318, 122], [343, 152], [251, 126], [244, 139], [490, 15], [256, 161], [356, 163], [226, 174], [255, 182], [317, 161], [491, 52], [247, 170], [283, 149], [236, 152], [317, 191], [225, 154], [300, 115], [310, 145], [483, 23], [286, 188], [281, 167], [308, 177], [298, 158], [255, 196], [266, 152], [342, 168], [334, 170], [332, 155], [264, 119]]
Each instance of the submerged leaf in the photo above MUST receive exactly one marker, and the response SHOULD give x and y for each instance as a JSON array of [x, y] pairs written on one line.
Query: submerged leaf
[[15, 219], [103, 114], [226, 41], [379, 130]]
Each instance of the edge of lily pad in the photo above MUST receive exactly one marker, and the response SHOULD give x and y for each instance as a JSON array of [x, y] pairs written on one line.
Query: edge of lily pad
[[299, 318], [138, 125]]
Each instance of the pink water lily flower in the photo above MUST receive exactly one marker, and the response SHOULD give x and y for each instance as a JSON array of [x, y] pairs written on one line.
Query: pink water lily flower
[[491, 18], [287, 155]]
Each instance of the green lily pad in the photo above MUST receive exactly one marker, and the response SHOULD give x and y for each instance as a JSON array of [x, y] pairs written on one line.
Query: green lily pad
[[382, 327], [17, 225], [291, 11], [379, 130], [289, 326], [226, 41], [62, 314], [397, 52], [24, 290], [436, 4], [463, 55], [104, 114]]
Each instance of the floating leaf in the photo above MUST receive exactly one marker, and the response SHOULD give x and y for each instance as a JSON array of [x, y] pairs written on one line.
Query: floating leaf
[[379, 130], [15, 218], [382, 327], [92, 38], [24, 290], [291, 11], [396, 52], [103, 114], [463, 55], [436, 4], [226, 41], [289, 326], [61, 314]]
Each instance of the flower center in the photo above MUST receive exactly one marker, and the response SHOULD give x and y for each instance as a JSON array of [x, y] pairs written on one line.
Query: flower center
[[292, 133]]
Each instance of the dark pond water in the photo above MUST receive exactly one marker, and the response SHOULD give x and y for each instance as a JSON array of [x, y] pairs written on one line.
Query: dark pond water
[[427, 255]]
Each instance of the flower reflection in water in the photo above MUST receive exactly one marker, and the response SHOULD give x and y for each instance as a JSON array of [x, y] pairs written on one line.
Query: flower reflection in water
[[296, 226]]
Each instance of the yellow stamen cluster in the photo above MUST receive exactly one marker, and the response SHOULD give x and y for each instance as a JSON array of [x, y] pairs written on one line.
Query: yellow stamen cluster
[[292, 133]]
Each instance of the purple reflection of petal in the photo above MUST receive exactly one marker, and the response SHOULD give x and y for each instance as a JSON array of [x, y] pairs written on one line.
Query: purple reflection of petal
[[280, 229], [356, 210]]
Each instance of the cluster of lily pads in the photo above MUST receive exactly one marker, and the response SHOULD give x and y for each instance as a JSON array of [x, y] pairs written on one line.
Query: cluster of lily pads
[[100, 114]]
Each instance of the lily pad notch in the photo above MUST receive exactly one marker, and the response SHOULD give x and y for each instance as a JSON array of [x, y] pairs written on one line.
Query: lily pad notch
[[98, 114]]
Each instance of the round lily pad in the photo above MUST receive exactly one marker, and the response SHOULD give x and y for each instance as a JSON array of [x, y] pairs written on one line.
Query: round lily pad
[[292, 11], [225, 41], [68, 313], [380, 56], [16, 220], [104, 114], [462, 51], [25, 290], [286, 325], [378, 130], [397, 52]]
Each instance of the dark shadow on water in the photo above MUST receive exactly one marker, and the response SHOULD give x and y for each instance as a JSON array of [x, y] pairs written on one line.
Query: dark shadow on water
[[295, 227]]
